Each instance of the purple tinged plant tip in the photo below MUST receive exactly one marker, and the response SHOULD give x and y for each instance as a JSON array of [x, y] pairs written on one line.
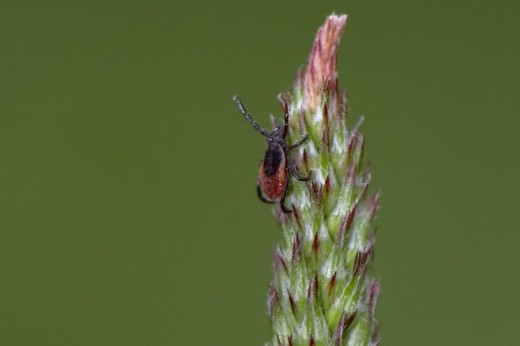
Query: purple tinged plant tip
[[291, 302], [273, 301], [332, 284], [340, 329], [312, 291], [321, 68]]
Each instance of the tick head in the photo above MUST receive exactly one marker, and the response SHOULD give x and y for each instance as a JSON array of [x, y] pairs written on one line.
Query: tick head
[[277, 135]]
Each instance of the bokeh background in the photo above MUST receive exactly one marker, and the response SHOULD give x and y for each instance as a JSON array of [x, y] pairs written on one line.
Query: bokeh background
[[128, 213]]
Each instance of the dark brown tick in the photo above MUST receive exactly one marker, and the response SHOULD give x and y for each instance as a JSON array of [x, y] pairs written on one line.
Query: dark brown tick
[[275, 168]]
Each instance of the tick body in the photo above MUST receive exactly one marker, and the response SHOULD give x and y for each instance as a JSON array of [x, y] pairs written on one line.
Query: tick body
[[275, 169], [272, 176]]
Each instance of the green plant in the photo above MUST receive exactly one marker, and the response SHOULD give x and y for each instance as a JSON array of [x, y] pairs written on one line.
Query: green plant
[[322, 292]]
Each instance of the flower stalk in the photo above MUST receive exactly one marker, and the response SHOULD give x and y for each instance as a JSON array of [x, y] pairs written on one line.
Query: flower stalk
[[322, 292]]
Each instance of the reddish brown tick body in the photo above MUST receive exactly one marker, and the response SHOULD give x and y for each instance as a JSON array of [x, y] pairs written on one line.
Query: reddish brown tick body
[[275, 168]]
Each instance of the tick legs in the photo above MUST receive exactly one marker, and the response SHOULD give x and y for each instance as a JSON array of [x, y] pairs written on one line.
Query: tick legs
[[297, 144], [290, 166], [282, 205], [249, 118], [295, 174], [282, 201]]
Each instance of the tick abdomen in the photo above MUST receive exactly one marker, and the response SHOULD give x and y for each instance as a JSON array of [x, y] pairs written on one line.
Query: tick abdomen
[[273, 174]]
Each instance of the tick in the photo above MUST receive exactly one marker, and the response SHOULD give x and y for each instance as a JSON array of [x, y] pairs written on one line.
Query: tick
[[275, 169]]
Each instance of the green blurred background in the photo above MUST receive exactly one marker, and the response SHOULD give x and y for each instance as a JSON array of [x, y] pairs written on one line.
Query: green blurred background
[[128, 213]]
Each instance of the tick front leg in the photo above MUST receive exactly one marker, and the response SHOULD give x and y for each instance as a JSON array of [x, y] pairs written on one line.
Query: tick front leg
[[297, 144]]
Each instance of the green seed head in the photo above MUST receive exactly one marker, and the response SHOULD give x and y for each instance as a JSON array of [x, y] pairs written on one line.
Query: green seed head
[[322, 292]]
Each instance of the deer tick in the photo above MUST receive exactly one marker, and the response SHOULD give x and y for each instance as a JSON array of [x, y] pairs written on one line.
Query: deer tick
[[275, 168]]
